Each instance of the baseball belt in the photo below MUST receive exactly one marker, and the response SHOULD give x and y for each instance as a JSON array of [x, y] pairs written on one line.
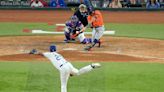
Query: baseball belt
[[62, 64]]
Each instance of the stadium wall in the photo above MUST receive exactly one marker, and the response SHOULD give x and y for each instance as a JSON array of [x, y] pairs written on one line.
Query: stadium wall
[[104, 9]]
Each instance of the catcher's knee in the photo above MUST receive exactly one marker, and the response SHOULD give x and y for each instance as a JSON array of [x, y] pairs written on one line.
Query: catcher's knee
[[67, 30]]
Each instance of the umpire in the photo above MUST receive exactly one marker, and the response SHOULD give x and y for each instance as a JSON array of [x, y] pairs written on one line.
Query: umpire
[[82, 14]]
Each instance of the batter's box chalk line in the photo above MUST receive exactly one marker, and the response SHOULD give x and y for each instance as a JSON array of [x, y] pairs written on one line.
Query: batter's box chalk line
[[69, 49]]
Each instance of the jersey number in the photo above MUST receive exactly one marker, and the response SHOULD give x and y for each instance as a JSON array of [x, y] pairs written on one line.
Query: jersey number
[[58, 57]]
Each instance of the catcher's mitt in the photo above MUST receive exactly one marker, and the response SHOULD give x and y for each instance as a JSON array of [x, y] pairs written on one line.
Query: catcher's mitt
[[75, 35], [33, 51]]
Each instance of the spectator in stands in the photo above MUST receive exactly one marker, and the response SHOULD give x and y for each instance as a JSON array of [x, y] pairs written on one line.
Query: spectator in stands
[[133, 3], [152, 4], [36, 3], [57, 3], [105, 3], [115, 4]]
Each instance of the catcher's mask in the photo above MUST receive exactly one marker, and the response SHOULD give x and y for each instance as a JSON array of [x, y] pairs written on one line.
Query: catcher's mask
[[52, 48], [74, 19], [82, 8]]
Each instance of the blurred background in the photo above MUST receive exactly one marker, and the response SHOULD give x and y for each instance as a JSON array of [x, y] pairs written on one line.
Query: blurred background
[[95, 3]]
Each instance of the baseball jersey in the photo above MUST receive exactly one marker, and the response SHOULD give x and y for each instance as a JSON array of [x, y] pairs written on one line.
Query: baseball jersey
[[56, 59], [74, 26], [96, 19]]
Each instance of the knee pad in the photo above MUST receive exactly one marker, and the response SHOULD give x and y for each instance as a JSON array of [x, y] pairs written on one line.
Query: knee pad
[[67, 30], [87, 40], [84, 41]]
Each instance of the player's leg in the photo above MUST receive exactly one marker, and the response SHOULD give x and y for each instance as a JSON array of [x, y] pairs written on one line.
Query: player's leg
[[64, 76], [83, 39], [99, 33], [67, 35], [64, 79], [84, 69], [93, 34], [93, 40]]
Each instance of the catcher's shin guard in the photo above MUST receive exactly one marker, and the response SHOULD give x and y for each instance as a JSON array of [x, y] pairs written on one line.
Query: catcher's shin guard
[[67, 37], [87, 40]]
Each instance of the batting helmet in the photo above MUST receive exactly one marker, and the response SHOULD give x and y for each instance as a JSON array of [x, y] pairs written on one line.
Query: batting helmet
[[91, 11], [52, 48]]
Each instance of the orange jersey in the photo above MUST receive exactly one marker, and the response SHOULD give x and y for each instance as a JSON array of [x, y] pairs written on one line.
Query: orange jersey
[[96, 19]]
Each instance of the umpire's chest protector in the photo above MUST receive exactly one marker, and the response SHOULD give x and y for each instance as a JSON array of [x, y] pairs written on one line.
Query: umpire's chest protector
[[82, 17]]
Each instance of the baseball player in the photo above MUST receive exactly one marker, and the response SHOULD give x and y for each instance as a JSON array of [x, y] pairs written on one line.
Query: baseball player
[[95, 19], [74, 28], [65, 68]]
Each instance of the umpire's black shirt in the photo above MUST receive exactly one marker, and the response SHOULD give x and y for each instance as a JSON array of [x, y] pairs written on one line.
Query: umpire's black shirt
[[82, 17]]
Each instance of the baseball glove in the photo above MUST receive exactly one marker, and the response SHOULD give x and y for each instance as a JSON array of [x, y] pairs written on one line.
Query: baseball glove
[[75, 35], [33, 51]]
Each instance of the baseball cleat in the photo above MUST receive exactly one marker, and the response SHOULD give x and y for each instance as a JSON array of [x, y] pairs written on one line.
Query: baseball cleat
[[72, 41], [88, 48], [95, 65], [66, 41], [99, 44]]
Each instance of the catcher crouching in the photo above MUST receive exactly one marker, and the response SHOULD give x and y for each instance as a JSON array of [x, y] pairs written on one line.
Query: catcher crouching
[[74, 28]]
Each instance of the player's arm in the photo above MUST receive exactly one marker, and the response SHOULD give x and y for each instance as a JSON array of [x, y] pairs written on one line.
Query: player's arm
[[91, 19], [82, 28], [36, 52]]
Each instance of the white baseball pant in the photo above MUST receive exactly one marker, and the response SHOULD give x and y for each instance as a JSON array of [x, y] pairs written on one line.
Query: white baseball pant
[[68, 69], [97, 33]]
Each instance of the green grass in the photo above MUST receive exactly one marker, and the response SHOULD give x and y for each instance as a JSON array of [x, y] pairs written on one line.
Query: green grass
[[111, 77], [11, 29], [155, 31]]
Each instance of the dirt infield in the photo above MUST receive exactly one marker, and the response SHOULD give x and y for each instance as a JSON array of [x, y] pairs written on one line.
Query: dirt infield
[[113, 49]]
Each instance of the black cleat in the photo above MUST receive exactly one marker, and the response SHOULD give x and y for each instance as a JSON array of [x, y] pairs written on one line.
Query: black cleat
[[88, 48]]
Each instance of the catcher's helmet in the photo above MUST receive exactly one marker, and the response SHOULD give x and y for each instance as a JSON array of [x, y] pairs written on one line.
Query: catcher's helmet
[[74, 19], [52, 48]]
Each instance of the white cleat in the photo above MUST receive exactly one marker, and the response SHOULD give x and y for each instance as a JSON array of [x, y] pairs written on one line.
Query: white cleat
[[95, 65]]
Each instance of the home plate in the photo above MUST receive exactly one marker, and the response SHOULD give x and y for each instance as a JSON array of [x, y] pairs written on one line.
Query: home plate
[[69, 49]]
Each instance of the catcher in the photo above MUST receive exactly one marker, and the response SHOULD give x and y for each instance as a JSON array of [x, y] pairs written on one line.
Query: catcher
[[74, 28], [95, 20]]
